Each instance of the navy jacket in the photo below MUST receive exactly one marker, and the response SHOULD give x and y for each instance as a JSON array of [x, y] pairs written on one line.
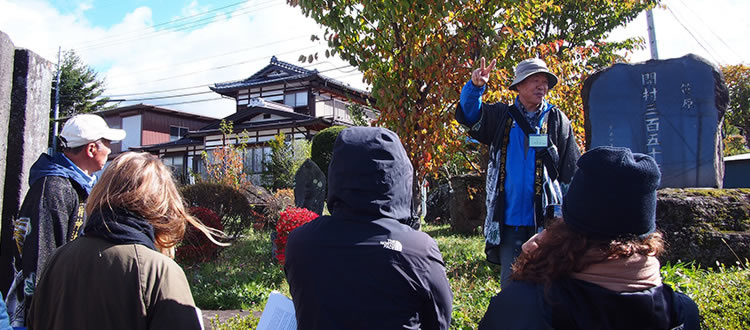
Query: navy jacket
[[575, 304], [51, 215], [362, 267]]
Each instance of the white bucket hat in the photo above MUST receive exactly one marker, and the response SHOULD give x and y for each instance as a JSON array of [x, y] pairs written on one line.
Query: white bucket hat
[[529, 67], [87, 128]]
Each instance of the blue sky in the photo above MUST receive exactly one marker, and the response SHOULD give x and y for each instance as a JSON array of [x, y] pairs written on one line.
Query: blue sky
[[105, 13], [183, 46]]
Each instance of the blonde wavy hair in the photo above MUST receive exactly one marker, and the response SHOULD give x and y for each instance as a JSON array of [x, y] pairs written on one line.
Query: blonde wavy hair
[[142, 184]]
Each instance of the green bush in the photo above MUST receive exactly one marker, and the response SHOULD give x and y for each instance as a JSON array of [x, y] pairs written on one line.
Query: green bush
[[229, 204], [322, 146], [285, 159]]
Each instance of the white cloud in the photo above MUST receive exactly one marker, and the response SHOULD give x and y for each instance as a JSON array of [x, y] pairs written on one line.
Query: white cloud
[[193, 9], [719, 26], [135, 58]]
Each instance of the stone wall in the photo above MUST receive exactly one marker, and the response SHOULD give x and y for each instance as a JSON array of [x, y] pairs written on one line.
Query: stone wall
[[25, 86], [467, 204], [705, 225], [7, 51]]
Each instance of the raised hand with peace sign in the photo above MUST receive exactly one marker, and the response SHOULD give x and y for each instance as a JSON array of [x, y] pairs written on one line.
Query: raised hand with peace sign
[[480, 76]]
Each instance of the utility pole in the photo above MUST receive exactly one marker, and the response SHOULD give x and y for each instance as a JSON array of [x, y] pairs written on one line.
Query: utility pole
[[651, 35], [57, 103]]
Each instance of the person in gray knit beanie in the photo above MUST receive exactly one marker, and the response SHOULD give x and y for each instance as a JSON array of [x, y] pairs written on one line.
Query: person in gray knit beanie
[[597, 267]]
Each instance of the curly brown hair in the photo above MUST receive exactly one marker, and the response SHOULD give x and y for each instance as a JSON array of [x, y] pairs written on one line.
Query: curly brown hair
[[562, 251]]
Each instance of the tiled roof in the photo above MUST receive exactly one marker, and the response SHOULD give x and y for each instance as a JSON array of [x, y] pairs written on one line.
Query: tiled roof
[[141, 106], [239, 117], [185, 141], [293, 73]]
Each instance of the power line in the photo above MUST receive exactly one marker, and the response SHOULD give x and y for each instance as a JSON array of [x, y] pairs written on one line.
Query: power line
[[213, 68], [155, 92], [205, 92], [129, 73], [177, 28], [168, 96], [162, 24], [188, 102], [205, 85], [731, 49], [692, 35]]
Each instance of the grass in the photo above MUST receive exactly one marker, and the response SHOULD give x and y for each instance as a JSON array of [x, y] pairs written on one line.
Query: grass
[[721, 293], [244, 274], [241, 277]]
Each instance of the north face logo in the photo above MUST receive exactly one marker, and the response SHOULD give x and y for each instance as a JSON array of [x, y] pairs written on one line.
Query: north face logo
[[391, 244]]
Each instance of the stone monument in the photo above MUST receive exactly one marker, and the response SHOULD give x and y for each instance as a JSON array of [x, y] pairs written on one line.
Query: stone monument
[[310, 187], [670, 109]]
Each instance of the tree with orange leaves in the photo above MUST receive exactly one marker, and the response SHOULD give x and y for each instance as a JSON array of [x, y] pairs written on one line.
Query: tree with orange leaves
[[417, 55], [737, 118], [225, 164]]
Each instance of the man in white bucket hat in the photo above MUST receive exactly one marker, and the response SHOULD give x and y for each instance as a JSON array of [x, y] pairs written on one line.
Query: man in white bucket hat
[[52, 211], [532, 151]]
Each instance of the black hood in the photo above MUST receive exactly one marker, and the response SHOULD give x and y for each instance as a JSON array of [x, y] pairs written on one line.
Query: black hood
[[370, 176]]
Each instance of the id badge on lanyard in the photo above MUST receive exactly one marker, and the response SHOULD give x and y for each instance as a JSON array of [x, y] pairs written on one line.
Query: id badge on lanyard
[[539, 140]]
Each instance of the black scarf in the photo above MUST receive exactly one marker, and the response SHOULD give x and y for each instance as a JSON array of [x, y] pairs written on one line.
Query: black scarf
[[120, 226]]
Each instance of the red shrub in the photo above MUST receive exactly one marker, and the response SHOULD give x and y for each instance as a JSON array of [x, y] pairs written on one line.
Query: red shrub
[[196, 247], [290, 219]]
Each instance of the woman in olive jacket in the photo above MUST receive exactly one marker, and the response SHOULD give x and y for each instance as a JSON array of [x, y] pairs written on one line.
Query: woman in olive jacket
[[120, 273]]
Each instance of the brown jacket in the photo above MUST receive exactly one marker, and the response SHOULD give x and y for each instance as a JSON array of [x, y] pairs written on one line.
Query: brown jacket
[[93, 284]]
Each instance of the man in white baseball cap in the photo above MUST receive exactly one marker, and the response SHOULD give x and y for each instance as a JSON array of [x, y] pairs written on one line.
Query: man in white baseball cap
[[532, 151], [52, 211]]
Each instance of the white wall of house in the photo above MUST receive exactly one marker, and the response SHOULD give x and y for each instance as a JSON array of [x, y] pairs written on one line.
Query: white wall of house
[[328, 107], [132, 127]]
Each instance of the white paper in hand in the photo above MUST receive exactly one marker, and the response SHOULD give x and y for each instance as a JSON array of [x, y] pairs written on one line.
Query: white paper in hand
[[278, 313]]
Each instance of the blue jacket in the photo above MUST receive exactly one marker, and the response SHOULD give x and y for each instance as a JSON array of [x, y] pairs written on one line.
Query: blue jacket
[[574, 304], [514, 203], [362, 267]]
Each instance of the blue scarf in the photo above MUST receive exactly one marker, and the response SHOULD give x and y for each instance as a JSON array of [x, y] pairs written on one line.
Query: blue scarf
[[59, 165], [120, 226]]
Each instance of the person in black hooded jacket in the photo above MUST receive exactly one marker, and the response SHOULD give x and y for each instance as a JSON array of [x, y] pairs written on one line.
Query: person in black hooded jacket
[[597, 267], [362, 267]]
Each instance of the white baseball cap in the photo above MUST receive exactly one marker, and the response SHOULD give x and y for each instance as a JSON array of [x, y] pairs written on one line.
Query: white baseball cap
[[87, 128]]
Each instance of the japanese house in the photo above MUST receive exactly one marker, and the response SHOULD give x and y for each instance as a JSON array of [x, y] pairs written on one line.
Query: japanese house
[[280, 98]]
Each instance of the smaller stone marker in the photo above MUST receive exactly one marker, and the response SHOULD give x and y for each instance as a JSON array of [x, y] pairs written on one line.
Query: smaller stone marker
[[310, 187]]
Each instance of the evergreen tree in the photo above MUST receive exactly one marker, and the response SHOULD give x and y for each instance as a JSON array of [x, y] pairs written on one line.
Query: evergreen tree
[[284, 161], [80, 90]]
